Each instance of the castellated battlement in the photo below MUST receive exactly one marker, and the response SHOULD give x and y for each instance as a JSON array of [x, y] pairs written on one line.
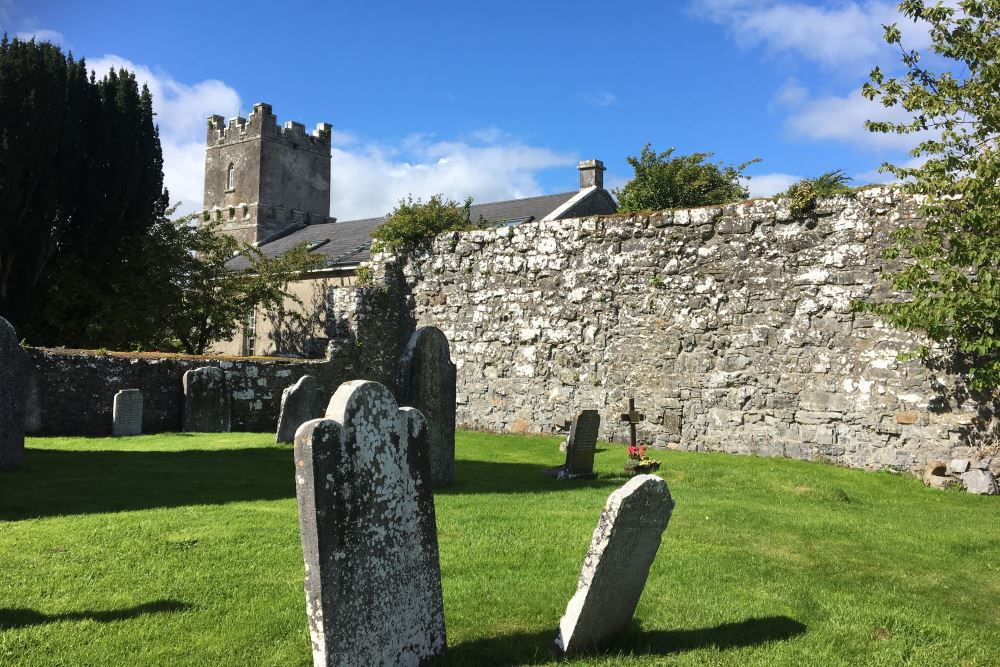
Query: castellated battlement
[[263, 123]]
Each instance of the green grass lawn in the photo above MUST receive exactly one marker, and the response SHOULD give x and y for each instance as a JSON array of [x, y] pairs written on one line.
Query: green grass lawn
[[184, 550]]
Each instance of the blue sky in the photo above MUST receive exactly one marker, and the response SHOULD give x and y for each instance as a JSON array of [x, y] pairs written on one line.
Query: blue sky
[[500, 100]]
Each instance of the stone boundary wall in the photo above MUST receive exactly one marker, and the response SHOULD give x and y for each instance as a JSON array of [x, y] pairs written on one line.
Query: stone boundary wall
[[71, 392], [730, 325]]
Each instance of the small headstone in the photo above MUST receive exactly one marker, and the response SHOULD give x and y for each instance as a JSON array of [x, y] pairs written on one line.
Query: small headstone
[[617, 564], [127, 413], [428, 384], [206, 401], [13, 388], [369, 538], [580, 448], [299, 404], [980, 482]]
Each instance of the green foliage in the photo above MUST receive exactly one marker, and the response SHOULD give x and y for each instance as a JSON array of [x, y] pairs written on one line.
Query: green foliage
[[365, 275], [413, 222], [664, 182], [81, 184], [950, 269], [204, 301], [803, 195]]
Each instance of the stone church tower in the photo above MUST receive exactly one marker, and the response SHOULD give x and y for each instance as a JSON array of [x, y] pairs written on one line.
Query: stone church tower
[[261, 178]]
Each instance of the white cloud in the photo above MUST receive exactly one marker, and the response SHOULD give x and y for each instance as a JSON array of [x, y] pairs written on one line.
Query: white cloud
[[790, 94], [368, 180], [181, 110], [842, 119], [41, 36], [768, 185], [848, 34], [601, 99]]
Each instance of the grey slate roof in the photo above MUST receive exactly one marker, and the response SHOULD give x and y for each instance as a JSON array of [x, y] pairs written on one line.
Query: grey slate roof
[[346, 243]]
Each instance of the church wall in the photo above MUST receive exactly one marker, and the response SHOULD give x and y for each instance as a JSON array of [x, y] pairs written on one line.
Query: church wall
[[731, 326]]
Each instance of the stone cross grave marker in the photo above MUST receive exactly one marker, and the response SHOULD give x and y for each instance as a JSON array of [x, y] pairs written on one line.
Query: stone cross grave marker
[[127, 413], [13, 388], [428, 383], [206, 400], [614, 571], [369, 537], [632, 418], [580, 448], [299, 404]]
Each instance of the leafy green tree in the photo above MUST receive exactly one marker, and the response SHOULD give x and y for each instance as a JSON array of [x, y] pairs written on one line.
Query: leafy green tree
[[81, 182], [205, 300], [664, 182], [413, 221], [950, 268]]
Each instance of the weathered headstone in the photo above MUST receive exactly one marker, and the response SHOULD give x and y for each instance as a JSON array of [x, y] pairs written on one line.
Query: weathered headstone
[[206, 401], [13, 387], [428, 384], [580, 448], [127, 413], [369, 538], [617, 564], [299, 404]]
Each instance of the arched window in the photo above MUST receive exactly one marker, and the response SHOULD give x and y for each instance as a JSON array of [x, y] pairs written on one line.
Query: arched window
[[231, 178]]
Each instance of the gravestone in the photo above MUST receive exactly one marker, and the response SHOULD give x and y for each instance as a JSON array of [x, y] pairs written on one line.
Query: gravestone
[[617, 564], [299, 404], [206, 400], [369, 538], [580, 448], [127, 413], [13, 388], [428, 384]]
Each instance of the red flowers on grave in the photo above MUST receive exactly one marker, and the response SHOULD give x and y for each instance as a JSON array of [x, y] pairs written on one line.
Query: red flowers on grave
[[639, 463]]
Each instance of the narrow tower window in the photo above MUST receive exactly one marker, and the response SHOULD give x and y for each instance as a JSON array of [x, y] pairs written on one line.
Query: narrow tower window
[[231, 178]]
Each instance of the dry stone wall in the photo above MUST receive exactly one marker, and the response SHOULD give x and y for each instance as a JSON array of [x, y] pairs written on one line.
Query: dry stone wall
[[72, 392], [730, 325]]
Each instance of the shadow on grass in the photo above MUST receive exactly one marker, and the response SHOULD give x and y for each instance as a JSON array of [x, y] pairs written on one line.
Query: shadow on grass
[[523, 648], [22, 618], [501, 477], [61, 482], [56, 483]]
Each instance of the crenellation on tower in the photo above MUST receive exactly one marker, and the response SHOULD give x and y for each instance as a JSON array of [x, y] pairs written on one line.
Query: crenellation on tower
[[261, 177]]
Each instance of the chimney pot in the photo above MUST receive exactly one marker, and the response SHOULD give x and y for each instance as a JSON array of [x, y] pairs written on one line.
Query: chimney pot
[[591, 174]]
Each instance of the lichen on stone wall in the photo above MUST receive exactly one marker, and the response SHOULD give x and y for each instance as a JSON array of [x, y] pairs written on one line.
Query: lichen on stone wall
[[730, 325]]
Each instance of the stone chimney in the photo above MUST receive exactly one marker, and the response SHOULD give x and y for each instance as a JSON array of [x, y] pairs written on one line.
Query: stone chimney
[[591, 174]]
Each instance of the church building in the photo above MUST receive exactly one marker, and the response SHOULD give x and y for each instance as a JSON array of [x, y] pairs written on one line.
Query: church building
[[270, 186]]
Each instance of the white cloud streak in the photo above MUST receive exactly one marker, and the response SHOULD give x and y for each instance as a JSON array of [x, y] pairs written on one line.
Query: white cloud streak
[[845, 35], [368, 180], [41, 36], [768, 185]]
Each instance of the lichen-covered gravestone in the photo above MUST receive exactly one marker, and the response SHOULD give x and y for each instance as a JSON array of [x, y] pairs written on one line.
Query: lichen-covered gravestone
[[13, 388], [580, 448], [206, 400], [428, 384], [299, 404], [617, 564], [127, 413], [369, 538]]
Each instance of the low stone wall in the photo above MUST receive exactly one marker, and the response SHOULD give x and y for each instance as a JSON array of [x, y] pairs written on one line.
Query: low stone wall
[[731, 326], [71, 392]]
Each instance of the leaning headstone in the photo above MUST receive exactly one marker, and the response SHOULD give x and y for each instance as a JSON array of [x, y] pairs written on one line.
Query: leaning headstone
[[580, 448], [369, 538], [206, 401], [617, 564], [298, 405], [127, 413], [13, 387], [428, 384]]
